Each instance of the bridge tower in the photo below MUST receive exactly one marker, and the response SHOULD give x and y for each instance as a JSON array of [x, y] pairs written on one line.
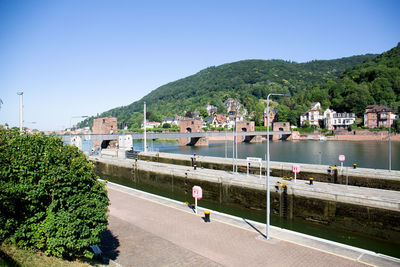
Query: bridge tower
[[106, 125], [247, 126], [192, 126], [280, 127]]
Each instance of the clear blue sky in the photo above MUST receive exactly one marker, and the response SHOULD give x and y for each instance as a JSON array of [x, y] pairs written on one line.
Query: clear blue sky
[[74, 58]]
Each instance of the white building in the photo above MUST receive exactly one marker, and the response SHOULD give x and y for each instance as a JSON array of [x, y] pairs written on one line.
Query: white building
[[313, 116], [151, 125], [330, 119], [211, 109], [230, 120], [170, 120]]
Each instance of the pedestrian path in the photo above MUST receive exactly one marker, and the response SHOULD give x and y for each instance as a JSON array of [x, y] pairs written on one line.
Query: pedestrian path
[[149, 230]]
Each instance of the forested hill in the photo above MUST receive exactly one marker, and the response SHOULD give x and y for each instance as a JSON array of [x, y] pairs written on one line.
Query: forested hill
[[373, 82], [247, 80]]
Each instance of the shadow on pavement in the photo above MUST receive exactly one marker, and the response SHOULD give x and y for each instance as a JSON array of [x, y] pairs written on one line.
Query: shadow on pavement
[[109, 246], [252, 226]]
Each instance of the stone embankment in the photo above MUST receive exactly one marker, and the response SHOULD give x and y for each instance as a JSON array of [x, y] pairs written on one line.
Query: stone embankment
[[374, 178]]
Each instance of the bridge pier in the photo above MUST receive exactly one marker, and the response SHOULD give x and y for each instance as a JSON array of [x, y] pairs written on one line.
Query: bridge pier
[[193, 141], [252, 139]]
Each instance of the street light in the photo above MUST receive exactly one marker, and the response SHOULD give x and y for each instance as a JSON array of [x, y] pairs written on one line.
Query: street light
[[70, 122], [20, 110], [268, 169]]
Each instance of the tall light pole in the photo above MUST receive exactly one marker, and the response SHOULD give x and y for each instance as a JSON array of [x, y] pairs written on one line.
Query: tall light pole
[[20, 110], [268, 170], [144, 126], [70, 126], [75, 117], [390, 143]]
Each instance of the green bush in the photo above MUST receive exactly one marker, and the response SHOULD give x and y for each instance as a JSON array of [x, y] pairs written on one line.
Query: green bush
[[50, 198]]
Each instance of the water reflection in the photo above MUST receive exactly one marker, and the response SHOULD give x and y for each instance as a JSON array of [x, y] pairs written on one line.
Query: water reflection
[[366, 154]]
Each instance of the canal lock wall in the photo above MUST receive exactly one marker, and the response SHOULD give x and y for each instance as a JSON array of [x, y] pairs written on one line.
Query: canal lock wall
[[368, 221], [361, 179]]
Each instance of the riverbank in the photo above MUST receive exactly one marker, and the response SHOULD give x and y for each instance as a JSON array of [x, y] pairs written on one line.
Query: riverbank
[[357, 135]]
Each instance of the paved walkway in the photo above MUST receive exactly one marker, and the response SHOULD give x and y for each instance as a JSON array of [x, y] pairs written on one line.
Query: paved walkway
[[146, 230]]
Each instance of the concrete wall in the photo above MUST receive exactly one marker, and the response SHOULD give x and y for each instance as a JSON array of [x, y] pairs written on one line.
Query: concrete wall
[[304, 175], [372, 222]]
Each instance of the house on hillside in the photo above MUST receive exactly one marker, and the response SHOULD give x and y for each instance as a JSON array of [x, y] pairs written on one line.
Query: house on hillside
[[378, 115], [220, 120], [231, 119], [170, 120], [313, 116], [315, 105], [272, 116], [233, 106], [151, 125], [208, 122], [211, 109], [337, 121]]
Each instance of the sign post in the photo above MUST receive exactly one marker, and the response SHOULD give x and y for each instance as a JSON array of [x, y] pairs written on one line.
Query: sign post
[[197, 193], [255, 160], [295, 169], [341, 159]]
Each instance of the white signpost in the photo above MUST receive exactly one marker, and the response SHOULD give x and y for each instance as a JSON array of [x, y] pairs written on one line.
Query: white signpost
[[296, 170], [341, 159], [255, 160], [197, 193]]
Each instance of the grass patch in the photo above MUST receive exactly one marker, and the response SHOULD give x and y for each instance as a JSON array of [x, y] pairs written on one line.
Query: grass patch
[[12, 256]]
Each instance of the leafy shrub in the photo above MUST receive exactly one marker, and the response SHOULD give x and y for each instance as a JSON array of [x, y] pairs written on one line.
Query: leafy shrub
[[50, 198]]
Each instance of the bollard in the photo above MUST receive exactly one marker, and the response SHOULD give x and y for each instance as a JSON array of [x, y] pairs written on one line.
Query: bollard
[[195, 166], [335, 174], [207, 216], [311, 181], [354, 166]]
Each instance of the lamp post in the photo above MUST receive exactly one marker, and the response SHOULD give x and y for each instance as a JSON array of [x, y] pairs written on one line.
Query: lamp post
[[144, 126], [21, 94], [390, 143], [268, 169], [70, 124]]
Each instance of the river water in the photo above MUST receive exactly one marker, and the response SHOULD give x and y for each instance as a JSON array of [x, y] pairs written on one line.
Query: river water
[[366, 154]]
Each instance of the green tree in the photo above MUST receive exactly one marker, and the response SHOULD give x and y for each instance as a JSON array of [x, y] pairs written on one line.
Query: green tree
[[259, 114], [50, 197], [203, 112], [283, 113]]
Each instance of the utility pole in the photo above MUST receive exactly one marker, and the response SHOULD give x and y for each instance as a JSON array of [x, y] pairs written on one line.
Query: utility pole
[[390, 143], [268, 170], [20, 110]]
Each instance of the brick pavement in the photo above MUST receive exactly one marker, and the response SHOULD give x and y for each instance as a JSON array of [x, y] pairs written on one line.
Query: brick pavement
[[148, 233]]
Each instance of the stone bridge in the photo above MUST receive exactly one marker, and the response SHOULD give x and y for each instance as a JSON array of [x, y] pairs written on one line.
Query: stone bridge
[[105, 138]]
